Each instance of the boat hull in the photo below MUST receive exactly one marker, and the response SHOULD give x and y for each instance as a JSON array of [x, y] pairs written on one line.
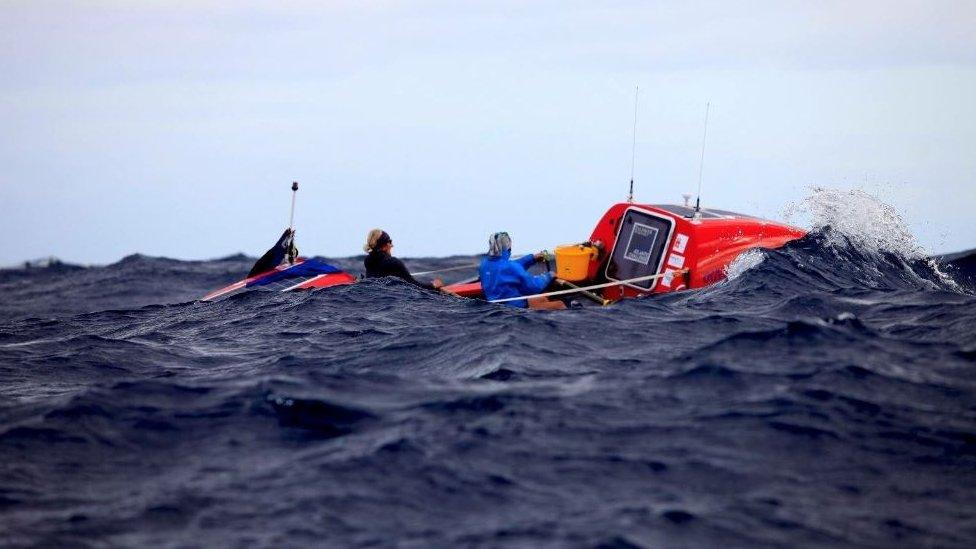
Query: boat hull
[[303, 274]]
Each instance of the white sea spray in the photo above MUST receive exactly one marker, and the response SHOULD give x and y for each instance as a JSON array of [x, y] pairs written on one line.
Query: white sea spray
[[857, 216], [743, 263], [862, 220]]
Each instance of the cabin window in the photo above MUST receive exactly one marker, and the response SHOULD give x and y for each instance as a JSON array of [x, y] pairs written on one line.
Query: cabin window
[[639, 249]]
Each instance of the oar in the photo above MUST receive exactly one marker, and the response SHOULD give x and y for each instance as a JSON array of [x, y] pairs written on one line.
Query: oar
[[460, 268], [587, 293]]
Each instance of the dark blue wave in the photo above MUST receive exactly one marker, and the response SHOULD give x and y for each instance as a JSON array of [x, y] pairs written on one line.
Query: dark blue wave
[[825, 396]]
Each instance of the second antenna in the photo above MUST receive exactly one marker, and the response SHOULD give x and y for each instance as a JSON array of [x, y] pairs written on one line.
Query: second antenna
[[633, 149], [701, 164]]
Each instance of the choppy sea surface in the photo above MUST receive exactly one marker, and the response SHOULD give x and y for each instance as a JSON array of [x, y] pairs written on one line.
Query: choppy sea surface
[[823, 396]]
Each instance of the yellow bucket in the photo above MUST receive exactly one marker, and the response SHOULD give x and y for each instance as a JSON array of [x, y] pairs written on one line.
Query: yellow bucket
[[573, 261]]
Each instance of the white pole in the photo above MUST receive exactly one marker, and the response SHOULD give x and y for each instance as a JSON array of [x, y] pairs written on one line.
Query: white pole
[[633, 148], [294, 193], [701, 165]]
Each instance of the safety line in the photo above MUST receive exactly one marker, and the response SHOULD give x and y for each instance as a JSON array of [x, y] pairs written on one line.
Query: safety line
[[585, 288]]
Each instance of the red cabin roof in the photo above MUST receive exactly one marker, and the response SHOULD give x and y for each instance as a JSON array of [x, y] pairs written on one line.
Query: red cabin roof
[[694, 249]]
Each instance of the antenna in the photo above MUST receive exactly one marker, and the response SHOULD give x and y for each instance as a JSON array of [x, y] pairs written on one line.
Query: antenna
[[701, 165], [294, 193], [633, 150]]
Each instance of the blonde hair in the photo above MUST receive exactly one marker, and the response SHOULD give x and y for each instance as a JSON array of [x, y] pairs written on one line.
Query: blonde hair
[[371, 238]]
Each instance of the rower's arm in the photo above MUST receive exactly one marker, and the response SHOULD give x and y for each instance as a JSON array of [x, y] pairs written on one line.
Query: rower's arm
[[526, 261], [533, 284]]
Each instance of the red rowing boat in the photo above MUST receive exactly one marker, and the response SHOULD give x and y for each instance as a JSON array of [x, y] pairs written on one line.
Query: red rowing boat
[[641, 249]]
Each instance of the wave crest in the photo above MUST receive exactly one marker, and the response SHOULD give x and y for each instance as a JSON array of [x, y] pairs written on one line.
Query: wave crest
[[856, 217]]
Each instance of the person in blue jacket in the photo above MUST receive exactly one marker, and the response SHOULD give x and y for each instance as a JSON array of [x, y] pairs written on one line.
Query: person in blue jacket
[[503, 277]]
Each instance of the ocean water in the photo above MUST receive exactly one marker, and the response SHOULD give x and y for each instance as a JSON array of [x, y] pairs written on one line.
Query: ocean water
[[823, 396]]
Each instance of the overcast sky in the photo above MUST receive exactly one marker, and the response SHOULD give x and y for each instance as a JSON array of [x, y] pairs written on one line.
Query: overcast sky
[[175, 128]]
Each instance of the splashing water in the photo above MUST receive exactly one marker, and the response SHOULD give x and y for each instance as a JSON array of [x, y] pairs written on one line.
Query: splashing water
[[860, 218], [852, 217], [743, 263]]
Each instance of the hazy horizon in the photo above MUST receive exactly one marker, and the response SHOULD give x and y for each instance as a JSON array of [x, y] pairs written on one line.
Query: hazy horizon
[[175, 128]]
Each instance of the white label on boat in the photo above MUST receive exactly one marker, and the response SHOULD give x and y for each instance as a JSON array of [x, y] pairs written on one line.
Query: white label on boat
[[667, 278], [680, 241], [642, 239], [676, 261]]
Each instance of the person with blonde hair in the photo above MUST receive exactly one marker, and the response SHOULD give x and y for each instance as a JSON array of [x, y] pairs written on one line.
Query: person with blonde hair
[[380, 262]]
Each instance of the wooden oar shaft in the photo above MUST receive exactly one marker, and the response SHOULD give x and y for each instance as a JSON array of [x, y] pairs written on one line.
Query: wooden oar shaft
[[586, 293]]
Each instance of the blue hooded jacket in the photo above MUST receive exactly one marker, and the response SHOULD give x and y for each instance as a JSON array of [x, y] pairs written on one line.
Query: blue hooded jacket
[[501, 277]]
